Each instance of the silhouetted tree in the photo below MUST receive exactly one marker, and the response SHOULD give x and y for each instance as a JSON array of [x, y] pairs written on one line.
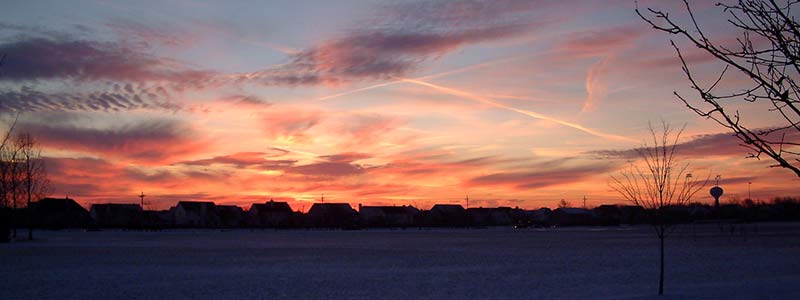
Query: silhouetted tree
[[659, 180], [33, 174], [768, 54], [563, 204], [4, 171]]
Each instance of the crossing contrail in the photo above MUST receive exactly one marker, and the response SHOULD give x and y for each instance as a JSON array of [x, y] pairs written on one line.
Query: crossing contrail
[[529, 113], [437, 75]]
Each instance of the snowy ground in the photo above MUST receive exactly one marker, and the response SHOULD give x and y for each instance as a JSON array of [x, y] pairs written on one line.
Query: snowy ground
[[497, 263]]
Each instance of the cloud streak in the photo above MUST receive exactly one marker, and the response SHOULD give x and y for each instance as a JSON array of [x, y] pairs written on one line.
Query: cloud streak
[[28, 99], [33, 59], [529, 113], [147, 142]]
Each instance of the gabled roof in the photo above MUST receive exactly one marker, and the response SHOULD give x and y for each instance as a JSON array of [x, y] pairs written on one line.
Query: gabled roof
[[195, 206], [272, 206], [448, 208], [331, 208], [57, 205]]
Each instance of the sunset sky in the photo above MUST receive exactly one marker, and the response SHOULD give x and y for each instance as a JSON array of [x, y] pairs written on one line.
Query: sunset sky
[[514, 103]]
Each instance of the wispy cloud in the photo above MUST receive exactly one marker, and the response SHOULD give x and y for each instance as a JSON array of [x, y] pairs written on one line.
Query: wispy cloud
[[400, 38], [539, 177], [717, 144]]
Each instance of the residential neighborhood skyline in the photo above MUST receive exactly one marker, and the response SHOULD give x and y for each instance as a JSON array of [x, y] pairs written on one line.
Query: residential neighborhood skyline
[[514, 103]]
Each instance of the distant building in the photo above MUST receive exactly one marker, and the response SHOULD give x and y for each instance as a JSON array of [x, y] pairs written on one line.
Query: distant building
[[195, 214], [270, 214], [157, 219], [608, 214], [451, 215], [58, 213], [339, 215], [116, 215], [388, 216], [570, 216], [499, 216], [230, 215], [539, 217]]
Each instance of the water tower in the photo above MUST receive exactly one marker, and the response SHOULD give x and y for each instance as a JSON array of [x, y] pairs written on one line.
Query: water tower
[[716, 192]]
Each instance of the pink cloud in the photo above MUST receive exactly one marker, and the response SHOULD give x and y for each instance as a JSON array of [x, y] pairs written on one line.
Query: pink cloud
[[147, 142]]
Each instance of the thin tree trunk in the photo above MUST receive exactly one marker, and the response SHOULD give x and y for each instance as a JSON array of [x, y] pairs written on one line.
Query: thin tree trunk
[[29, 213], [661, 275], [14, 213]]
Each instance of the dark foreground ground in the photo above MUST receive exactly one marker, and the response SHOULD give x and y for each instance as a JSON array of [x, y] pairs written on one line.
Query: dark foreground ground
[[497, 263]]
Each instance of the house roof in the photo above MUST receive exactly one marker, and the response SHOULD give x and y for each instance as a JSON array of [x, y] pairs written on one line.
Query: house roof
[[331, 208], [272, 206], [196, 206], [57, 205], [448, 208]]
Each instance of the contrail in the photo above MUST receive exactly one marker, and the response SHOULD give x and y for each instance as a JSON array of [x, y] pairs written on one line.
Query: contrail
[[536, 115], [359, 90], [432, 76]]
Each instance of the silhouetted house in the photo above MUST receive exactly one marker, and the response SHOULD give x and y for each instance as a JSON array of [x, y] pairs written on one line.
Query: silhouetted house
[[116, 215], [451, 215], [195, 214], [539, 217], [387, 216], [55, 213], [339, 215], [570, 216], [633, 214], [157, 219], [479, 216], [499, 216], [230, 215], [608, 214], [270, 214]]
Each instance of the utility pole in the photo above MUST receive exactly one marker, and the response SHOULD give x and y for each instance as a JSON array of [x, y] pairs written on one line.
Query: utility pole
[[141, 200], [467, 198], [584, 201], [322, 197], [749, 196]]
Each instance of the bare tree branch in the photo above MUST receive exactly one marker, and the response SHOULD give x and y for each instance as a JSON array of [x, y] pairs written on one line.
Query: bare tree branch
[[768, 54]]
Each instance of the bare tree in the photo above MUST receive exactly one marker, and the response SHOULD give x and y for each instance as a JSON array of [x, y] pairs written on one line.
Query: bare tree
[[767, 53], [5, 144], [8, 174], [34, 181], [657, 182], [5, 157]]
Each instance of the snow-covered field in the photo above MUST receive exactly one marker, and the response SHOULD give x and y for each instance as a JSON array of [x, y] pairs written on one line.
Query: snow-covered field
[[496, 263]]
